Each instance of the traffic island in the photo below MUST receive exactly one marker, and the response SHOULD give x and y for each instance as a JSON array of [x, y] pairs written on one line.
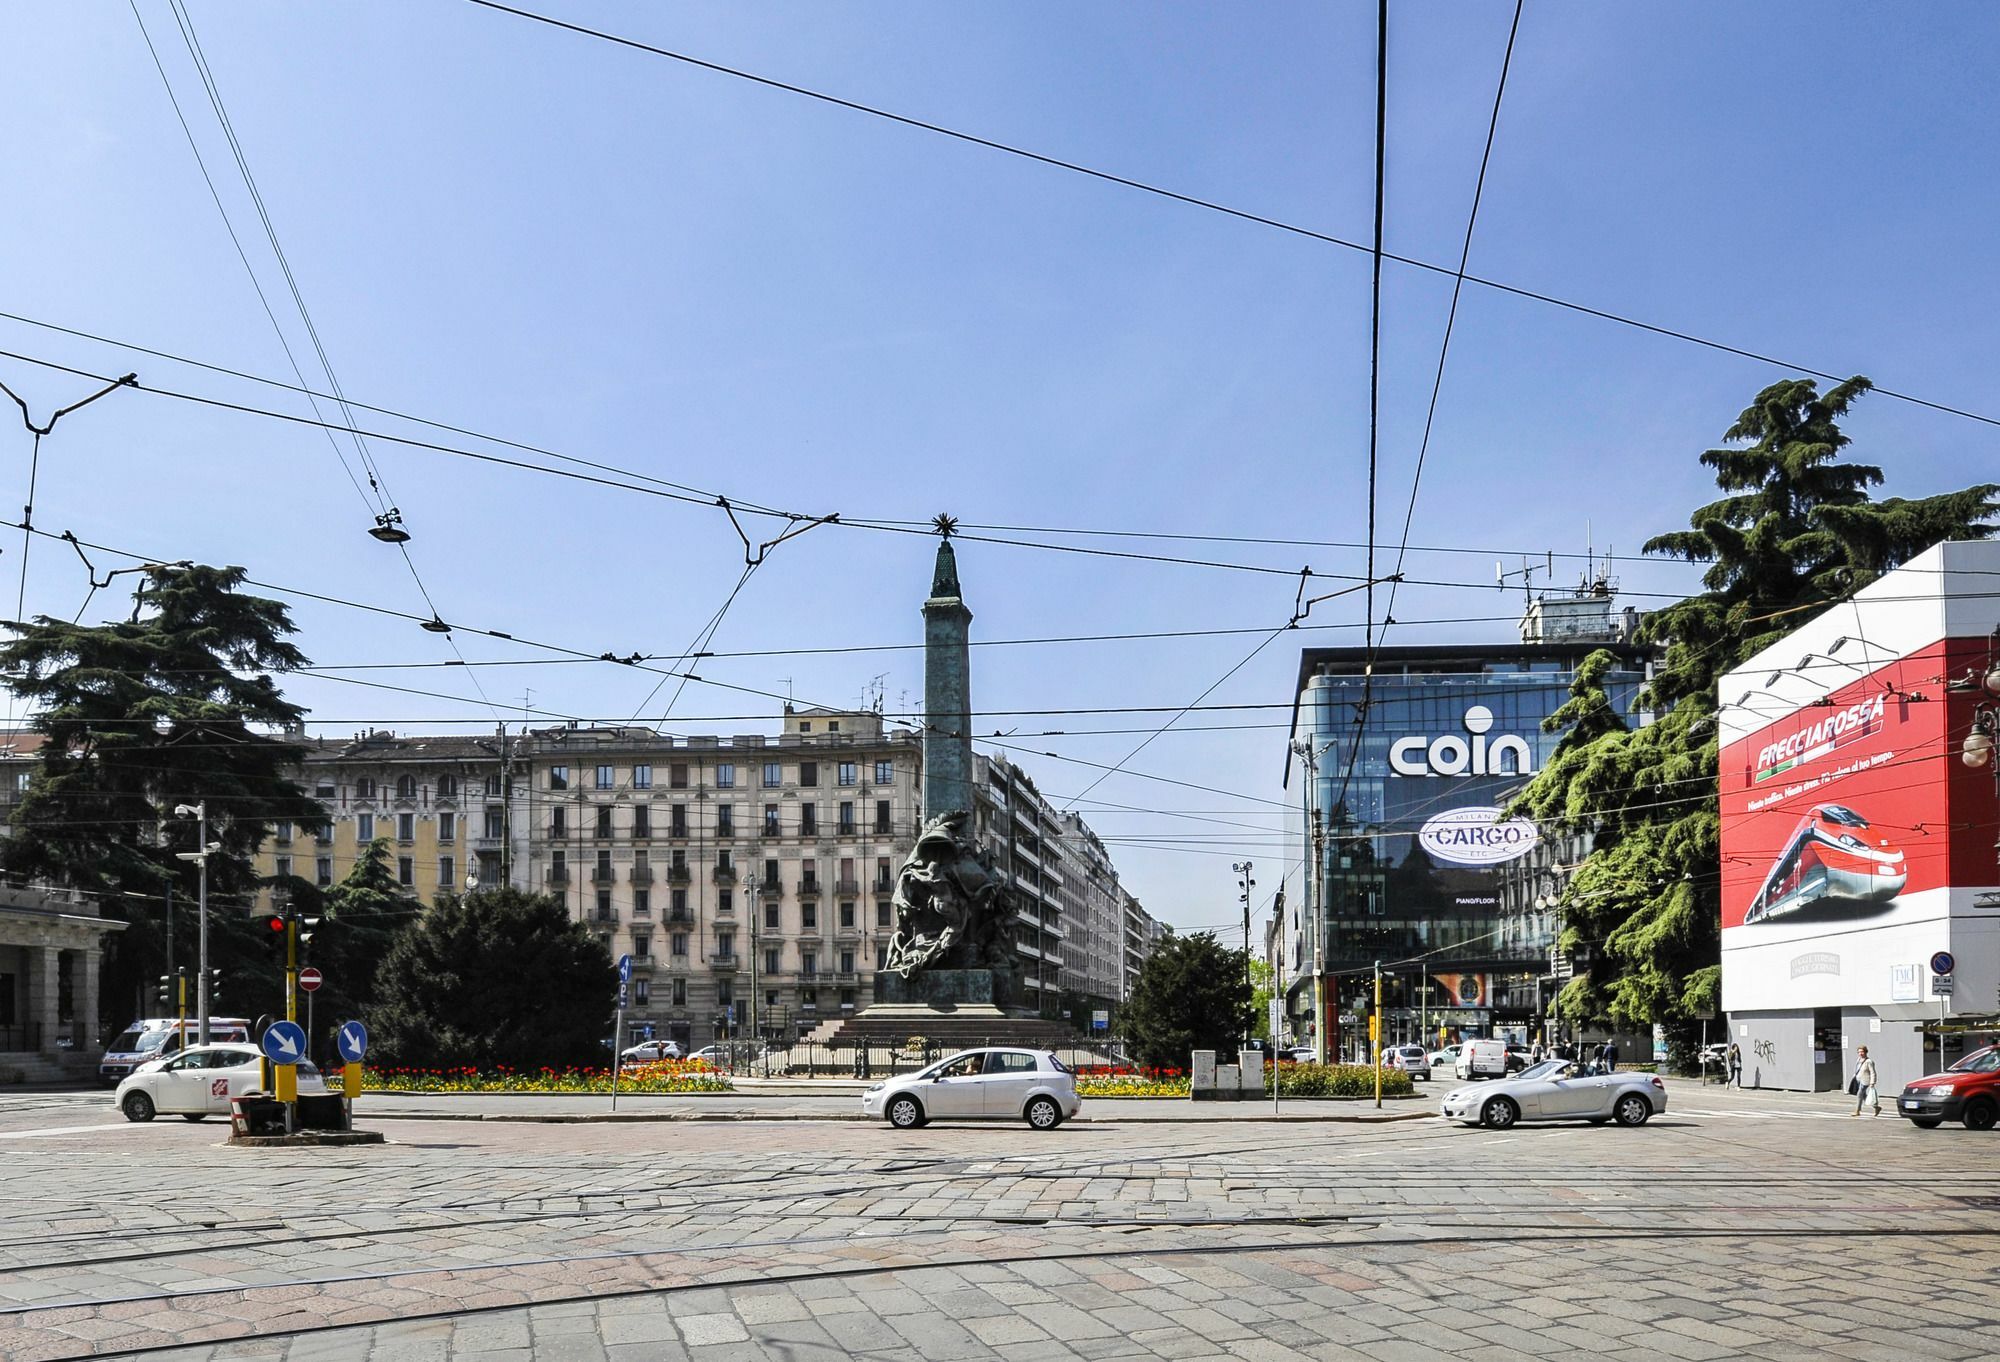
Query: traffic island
[[307, 1137]]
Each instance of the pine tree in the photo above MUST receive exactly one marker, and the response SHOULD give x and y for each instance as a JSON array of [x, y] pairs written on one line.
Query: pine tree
[[1193, 994], [1795, 533], [174, 706]]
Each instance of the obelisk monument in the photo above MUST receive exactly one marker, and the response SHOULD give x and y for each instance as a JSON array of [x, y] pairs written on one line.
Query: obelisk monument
[[947, 686]]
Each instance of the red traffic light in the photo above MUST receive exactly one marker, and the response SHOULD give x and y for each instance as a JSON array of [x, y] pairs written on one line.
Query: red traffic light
[[276, 924]]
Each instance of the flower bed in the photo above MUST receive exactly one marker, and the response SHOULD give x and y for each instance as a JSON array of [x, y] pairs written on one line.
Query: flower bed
[[1104, 1080], [668, 1075]]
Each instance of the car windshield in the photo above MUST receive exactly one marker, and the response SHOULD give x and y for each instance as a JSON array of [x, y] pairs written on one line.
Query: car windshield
[[1548, 1068], [1985, 1062]]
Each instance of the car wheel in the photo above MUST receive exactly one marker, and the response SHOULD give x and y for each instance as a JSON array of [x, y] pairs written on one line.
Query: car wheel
[[1980, 1114], [194, 1116], [905, 1113], [1632, 1110], [137, 1107], [1044, 1114], [1500, 1113], [1927, 1122]]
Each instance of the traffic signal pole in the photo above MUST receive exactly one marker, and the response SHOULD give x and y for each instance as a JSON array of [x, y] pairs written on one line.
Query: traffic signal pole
[[287, 1076], [1375, 1026]]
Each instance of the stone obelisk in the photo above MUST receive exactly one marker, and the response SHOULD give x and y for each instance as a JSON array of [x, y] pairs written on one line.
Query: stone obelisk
[[947, 686]]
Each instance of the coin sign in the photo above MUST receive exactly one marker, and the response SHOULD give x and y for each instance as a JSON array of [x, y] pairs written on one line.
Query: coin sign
[[310, 979]]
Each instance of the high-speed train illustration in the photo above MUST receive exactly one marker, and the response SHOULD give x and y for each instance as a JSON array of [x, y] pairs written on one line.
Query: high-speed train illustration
[[1829, 856]]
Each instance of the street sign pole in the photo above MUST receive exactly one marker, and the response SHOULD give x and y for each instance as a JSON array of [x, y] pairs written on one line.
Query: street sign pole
[[618, 1027]]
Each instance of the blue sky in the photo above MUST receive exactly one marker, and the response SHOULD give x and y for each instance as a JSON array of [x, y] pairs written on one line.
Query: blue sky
[[631, 260]]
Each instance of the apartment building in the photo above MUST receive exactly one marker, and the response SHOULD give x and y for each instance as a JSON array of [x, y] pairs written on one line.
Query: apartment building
[[1093, 915], [1142, 932], [1024, 833]]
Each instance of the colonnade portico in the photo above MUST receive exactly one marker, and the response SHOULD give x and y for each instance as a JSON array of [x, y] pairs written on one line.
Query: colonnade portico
[[51, 951]]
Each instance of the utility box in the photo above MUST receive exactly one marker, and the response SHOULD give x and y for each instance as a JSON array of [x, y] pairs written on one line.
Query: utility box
[[327, 1112]]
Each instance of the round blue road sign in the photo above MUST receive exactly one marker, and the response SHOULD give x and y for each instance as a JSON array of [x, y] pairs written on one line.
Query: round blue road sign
[[1942, 963], [285, 1042], [352, 1041]]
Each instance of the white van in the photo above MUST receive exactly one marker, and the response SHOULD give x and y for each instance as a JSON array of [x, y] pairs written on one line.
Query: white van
[[1481, 1059], [152, 1038]]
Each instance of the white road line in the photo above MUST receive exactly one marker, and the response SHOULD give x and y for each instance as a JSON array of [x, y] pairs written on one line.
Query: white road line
[[66, 1130]]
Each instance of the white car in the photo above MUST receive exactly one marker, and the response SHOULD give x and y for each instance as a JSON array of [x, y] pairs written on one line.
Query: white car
[[1411, 1059], [1444, 1058], [1558, 1090], [994, 1085], [199, 1082], [651, 1052]]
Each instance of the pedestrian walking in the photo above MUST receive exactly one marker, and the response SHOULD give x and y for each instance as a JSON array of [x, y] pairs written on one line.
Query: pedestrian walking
[[1862, 1085], [1611, 1056], [1735, 1065]]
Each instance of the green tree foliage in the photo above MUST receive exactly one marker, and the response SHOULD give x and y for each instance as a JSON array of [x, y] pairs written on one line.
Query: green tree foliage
[[1191, 995], [359, 920], [498, 977], [1795, 531], [176, 705]]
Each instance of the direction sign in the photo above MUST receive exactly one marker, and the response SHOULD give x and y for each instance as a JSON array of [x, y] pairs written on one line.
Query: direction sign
[[285, 1042], [310, 979], [1941, 985], [352, 1041], [1942, 963], [624, 970]]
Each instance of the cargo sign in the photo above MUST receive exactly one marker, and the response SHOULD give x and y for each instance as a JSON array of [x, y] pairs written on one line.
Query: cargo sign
[[1477, 835]]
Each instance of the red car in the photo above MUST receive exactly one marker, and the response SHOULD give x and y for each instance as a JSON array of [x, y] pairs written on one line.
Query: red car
[[1968, 1091]]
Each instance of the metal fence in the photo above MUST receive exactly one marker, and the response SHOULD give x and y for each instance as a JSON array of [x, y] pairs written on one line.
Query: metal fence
[[805, 1059]]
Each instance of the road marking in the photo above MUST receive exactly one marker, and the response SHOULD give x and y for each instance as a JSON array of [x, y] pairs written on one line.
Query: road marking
[[65, 1130], [1509, 1140]]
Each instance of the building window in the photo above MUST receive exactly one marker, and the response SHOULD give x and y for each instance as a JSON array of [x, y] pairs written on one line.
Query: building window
[[770, 960], [885, 773], [364, 788], [364, 828], [882, 913], [774, 774], [642, 903], [808, 772], [882, 816], [406, 827], [808, 820], [678, 898], [847, 773], [725, 900], [406, 871], [642, 777], [725, 861], [446, 872], [846, 818], [847, 962], [604, 820], [725, 775], [642, 991], [642, 946], [805, 726], [281, 832], [725, 995], [607, 777], [558, 867], [882, 880], [846, 913], [447, 826], [725, 945], [771, 999], [406, 787], [284, 866], [770, 820], [677, 775], [447, 787], [725, 820], [603, 875], [604, 906], [559, 777], [680, 991], [677, 821], [496, 824], [771, 876], [642, 821], [323, 871], [677, 944], [808, 963], [322, 790], [559, 823], [833, 725], [771, 911], [881, 957], [809, 916]]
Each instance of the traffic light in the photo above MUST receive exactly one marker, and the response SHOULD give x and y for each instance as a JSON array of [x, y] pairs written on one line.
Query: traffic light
[[275, 925], [166, 993], [214, 985]]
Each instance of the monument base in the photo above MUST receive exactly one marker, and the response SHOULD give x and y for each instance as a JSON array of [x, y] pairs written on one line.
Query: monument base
[[948, 990]]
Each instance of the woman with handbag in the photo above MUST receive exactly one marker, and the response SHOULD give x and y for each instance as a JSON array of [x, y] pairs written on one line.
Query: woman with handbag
[[1862, 1085]]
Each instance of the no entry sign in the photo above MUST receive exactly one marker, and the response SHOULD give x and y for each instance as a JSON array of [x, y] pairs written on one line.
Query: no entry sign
[[309, 978]]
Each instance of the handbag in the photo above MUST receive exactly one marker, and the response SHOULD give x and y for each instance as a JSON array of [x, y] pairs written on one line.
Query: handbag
[[1854, 1086]]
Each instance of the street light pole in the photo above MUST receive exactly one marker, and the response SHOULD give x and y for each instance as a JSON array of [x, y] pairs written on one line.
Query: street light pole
[[200, 811], [1249, 978]]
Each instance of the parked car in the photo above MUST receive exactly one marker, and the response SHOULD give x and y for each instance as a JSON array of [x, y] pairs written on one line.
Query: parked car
[[1559, 1090], [995, 1085], [152, 1038], [1518, 1057], [1297, 1054], [651, 1052], [1411, 1059], [1445, 1057], [1968, 1091], [1485, 1058], [200, 1082], [729, 1052]]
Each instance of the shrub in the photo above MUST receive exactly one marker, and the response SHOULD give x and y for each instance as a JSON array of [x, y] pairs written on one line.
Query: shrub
[[1338, 1080]]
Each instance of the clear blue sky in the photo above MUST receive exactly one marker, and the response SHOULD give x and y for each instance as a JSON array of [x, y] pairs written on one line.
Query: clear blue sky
[[630, 260]]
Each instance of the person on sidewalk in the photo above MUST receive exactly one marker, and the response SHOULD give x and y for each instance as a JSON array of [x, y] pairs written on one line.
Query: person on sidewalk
[[1735, 1065], [1864, 1084]]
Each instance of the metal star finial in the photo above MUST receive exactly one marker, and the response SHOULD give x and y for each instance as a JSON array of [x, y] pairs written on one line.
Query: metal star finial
[[945, 525]]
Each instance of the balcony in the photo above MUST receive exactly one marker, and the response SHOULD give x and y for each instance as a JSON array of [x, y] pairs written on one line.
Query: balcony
[[678, 874], [556, 874], [641, 874], [642, 832], [725, 963], [885, 887], [602, 874], [603, 917], [848, 889], [680, 830], [848, 830], [808, 889], [725, 874], [772, 886]]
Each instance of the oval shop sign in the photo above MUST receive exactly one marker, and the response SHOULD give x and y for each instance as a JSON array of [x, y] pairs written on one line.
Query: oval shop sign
[[1477, 835]]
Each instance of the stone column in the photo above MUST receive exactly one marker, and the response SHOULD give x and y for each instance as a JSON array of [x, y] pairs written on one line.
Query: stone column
[[44, 982], [83, 990]]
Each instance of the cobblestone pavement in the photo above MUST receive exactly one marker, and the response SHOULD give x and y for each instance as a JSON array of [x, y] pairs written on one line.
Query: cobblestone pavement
[[1738, 1225]]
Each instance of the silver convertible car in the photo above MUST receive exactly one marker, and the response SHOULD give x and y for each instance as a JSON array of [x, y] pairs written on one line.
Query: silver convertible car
[[1559, 1090]]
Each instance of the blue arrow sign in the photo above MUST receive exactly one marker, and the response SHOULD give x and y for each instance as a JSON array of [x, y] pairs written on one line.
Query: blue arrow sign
[[624, 969], [352, 1041], [285, 1042]]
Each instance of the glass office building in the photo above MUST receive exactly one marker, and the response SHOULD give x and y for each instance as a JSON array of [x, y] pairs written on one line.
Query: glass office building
[[1416, 866]]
